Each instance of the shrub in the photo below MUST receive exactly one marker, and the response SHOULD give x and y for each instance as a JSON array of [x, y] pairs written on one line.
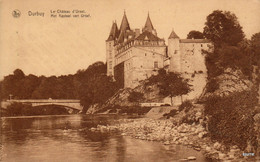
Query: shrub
[[172, 113], [187, 118], [135, 96], [231, 118], [212, 85], [187, 105]]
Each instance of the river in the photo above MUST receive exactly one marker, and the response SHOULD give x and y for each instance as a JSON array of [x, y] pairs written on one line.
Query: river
[[67, 138]]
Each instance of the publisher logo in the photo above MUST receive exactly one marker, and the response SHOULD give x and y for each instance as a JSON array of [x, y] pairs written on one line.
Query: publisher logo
[[16, 13]]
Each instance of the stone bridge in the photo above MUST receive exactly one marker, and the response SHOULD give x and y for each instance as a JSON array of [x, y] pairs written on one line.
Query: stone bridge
[[68, 103]]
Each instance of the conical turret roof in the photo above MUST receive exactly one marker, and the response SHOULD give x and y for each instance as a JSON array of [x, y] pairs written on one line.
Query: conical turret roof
[[173, 35], [123, 28], [148, 25], [124, 24], [114, 32]]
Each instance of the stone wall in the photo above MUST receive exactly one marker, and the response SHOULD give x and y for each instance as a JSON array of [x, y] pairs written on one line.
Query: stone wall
[[189, 60], [141, 64], [192, 58]]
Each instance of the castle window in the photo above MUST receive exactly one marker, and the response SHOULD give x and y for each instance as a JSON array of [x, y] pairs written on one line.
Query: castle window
[[155, 64], [201, 45], [110, 54], [145, 54], [175, 52]]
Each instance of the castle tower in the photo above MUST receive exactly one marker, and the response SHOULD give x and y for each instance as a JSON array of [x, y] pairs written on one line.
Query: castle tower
[[135, 56], [174, 52], [110, 49]]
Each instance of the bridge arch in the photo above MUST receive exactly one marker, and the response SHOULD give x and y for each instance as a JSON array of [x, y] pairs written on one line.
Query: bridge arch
[[56, 104], [75, 106], [69, 103]]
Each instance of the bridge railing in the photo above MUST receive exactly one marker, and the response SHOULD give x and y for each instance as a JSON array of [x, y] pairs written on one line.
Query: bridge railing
[[46, 100]]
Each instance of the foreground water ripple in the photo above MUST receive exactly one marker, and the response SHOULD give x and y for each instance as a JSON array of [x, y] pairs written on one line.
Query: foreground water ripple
[[67, 138]]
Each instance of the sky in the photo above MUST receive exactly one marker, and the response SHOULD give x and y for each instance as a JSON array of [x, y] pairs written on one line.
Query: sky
[[45, 45]]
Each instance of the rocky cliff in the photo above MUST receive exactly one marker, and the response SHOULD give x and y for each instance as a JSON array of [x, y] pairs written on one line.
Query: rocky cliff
[[121, 98]]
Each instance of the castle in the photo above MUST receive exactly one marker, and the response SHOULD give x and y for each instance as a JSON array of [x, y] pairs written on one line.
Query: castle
[[133, 55]]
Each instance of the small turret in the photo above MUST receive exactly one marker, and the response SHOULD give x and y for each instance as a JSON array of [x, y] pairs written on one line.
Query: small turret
[[173, 35], [174, 52]]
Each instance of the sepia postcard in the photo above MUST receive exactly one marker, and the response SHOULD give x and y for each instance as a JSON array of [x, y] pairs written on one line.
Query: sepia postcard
[[129, 80]]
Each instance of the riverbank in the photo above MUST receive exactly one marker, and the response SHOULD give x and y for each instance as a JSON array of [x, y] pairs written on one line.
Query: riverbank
[[192, 135]]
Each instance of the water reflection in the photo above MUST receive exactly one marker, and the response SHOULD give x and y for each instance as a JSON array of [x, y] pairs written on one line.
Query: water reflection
[[67, 138]]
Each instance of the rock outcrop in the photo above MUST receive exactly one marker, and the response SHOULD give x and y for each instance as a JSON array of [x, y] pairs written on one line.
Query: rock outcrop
[[229, 82], [150, 94]]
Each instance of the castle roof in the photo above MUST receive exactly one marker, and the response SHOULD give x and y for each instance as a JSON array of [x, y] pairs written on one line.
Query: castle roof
[[148, 25], [124, 24], [173, 35], [194, 41], [114, 32], [146, 35], [125, 33], [124, 27]]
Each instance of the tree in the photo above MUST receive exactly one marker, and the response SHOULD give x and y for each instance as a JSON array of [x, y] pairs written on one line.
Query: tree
[[97, 90], [18, 73], [30, 83], [235, 57], [93, 86], [170, 84], [231, 49], [195, 35], [12, 84], [255, 46], [222, 27]]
